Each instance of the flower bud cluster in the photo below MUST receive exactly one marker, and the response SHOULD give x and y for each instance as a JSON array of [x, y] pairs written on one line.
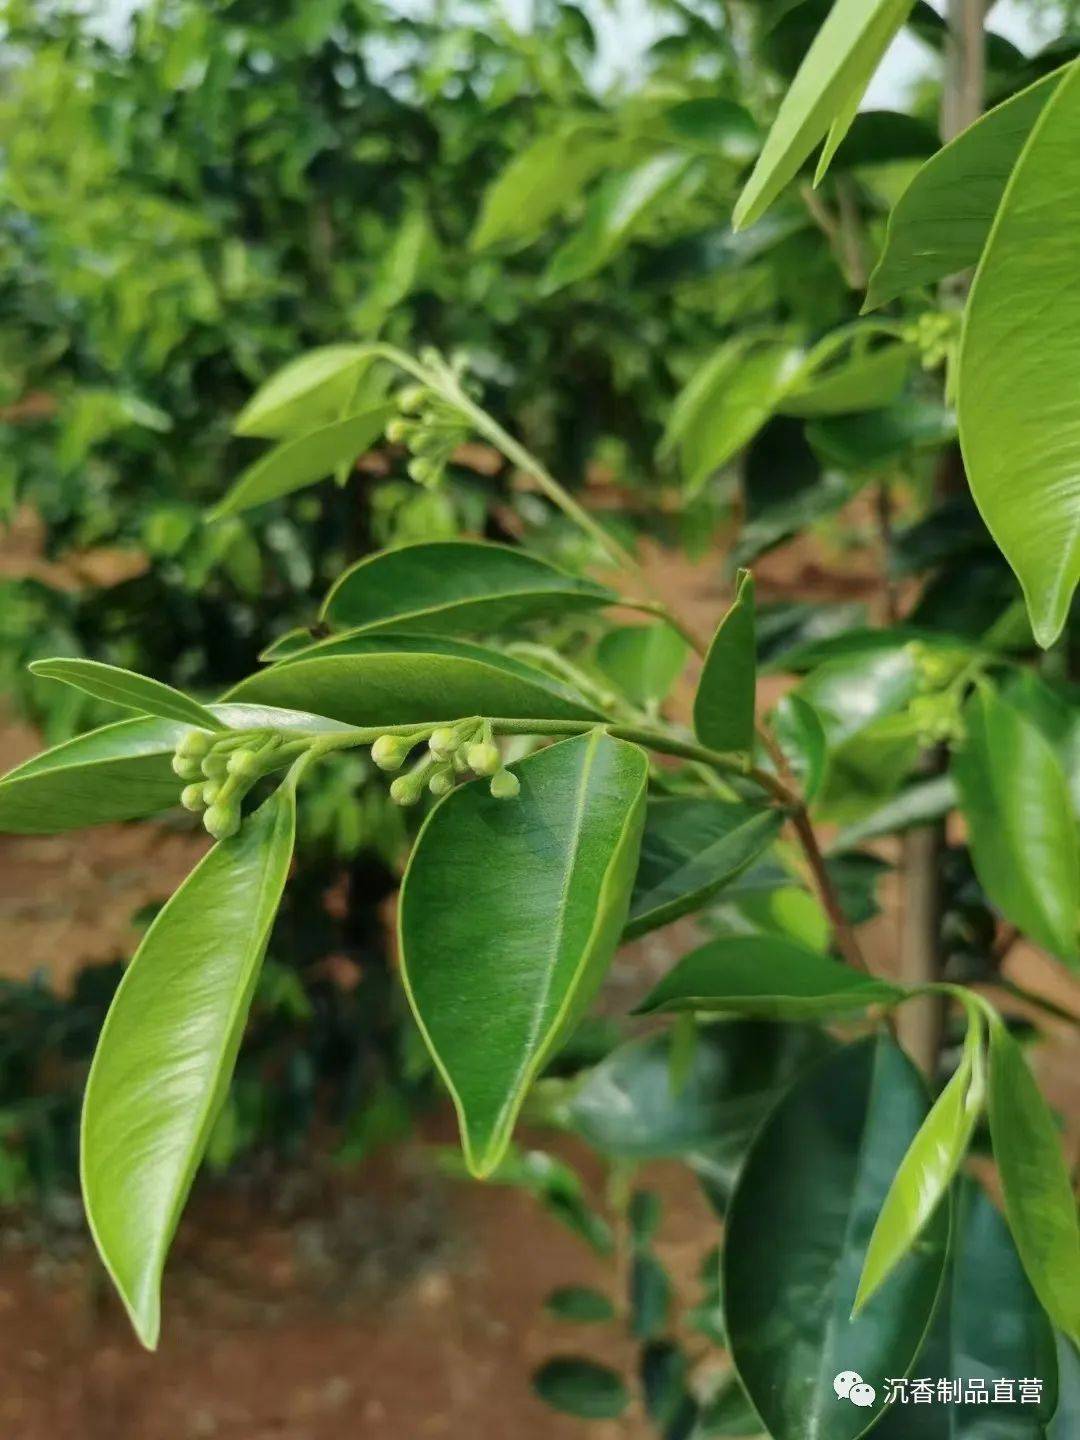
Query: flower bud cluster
[[430, 428], [935, 333], [221, 769], [450, 751]]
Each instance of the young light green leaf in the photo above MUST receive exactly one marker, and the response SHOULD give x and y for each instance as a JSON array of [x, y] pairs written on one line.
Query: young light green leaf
[[929, 1167], [835, 72], [120, 772], [308, 392], [540, 182], [724, 703], [765, 977], [167, 1050], [644, 661], [454, 587], [793, 1252], [395, 680], [619, 204], [535, 893], [1023, 836], [939, 225], [303, 459], [1038, 1195], [692, 847], [1019, 372], [125, 688]]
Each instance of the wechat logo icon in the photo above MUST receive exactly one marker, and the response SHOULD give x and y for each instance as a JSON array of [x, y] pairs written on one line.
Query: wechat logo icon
[[849, 1385]]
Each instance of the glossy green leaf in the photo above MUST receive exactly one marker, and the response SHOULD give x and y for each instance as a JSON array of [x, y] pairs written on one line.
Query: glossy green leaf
[[303, 459], [1023, 836], [120, 772], [1039, 1202], [629, 1107], [793, 1252], [834, 74], [455, 587], [619, 204], [725, 404], [580, 1304], [412, 680], [920, 803], [167, 1051], [1055, 713], [724, 703], [540, 182], [582, 1388], [1019, 372], [801, 736], [767, 978], [643, 661], [928, 1169], [124, 687], [941, 222], [534, 892], [308, 392], [988, 1328], [692, 848]]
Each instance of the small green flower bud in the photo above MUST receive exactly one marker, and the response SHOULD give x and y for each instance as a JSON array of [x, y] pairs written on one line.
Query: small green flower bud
[[424, 472], [244, 763], [405, 790], [222, 821], [397, 430], [484, 758], [210, 792], [389, 751], [441, 783], [185, 767], [195, 744], [504, 785], [215, 765], [412, 398], [443, 743], [191, 797]]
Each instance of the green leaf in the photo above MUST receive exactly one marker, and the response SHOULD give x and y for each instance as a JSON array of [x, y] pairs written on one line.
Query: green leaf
[[876, 439], [124, 687], [306, 393], [1021, 829], [929, 1167], [534, 892], [793, 1252], [167, 1051], [455, 587], [864, 382], [1019, 373], [415, 679], [619, 204], [829, 84], [920, 803], [801, 736], [120, 772], [580, 1304], [629, 1107], [540, 182], [692, 847], [582, 1388], [724, 704], [650, 1296], [765, 977], [940, 224], [1038, 1195], [725, 404], [988, 1326], [304, 459], [643, 661]]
